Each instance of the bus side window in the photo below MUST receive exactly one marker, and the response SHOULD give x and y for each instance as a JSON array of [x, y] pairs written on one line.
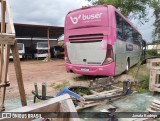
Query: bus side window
[[119, 26], [128, 32]]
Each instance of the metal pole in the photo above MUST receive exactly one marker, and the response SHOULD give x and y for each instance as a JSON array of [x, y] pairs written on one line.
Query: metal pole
[[43, 91], [49, 53]]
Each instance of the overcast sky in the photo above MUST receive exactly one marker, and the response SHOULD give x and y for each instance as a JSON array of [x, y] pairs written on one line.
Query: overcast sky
[[53, 12]]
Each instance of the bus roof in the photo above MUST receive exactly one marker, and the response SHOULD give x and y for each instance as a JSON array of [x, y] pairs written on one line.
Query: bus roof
[[110, 7]]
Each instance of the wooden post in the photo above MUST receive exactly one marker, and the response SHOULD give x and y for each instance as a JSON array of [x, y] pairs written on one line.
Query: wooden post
[[3, 30], [48, 36], [4, 73], [18, 73], [3, 56]]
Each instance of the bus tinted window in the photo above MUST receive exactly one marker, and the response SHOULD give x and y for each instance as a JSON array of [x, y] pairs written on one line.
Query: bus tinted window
[[128, 30], [119, 27]]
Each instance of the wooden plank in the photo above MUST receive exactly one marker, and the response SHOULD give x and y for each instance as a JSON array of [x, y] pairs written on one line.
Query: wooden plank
[[157, 89], [158, 72], [3, 9], [48, 36], [7, 38], [68, 106], [151, 63], [1, 60], [10, 26], [94, 92], [152, 80], [156, 105], [157, 85], [106, 93], [52, 105], [156, 101], [88, 105], [4, 74], [117, 87], [18, 71], [152, 107], [150, 110]]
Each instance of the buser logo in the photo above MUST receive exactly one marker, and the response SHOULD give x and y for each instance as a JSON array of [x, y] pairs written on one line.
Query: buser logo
[[75, 20]]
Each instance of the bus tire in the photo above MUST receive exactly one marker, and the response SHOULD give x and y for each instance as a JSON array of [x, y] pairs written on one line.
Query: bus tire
[[127, 66]]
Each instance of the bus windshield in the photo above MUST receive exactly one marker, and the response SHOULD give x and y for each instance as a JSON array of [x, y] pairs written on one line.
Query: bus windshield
[[43, 45], [20, 46]]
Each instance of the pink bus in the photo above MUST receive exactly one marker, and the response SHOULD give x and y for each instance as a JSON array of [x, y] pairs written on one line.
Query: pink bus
[[99, 40]]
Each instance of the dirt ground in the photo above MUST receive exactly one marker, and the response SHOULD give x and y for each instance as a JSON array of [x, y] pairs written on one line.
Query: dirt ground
[[53, 73]]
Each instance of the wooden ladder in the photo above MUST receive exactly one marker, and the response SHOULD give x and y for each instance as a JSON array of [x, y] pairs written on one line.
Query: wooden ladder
[[7, 42]]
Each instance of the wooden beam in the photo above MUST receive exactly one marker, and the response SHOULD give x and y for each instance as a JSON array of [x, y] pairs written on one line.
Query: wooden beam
[[7, 38], [4, 74], [68, 106], [18, 71], [10, 26], [3, 10], [1, 60], [51, 105], [48, 36]]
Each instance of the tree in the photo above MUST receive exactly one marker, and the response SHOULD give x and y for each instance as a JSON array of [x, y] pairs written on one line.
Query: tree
[[129, 8], [155, 4]]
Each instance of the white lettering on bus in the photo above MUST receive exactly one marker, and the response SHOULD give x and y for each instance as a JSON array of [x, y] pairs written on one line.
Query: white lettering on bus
[[92, 16], [75, 20]]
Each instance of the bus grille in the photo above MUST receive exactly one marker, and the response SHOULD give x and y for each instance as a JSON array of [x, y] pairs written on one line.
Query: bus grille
[[86, 38]]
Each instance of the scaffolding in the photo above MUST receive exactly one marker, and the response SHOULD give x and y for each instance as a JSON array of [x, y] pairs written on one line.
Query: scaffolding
[[7, 42]]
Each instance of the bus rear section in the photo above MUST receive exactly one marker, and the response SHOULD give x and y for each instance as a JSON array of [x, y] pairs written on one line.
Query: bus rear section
[[87, 49]]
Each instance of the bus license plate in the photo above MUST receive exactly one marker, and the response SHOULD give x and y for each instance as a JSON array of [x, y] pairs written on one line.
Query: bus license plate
[[84, 69]]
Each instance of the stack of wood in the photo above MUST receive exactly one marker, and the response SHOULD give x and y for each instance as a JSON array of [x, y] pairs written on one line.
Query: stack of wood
[[154, 107], [153, 110], [154, 66], [103, 90]]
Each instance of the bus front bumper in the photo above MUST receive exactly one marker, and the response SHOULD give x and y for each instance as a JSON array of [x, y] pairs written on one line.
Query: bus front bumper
[[104, 70]]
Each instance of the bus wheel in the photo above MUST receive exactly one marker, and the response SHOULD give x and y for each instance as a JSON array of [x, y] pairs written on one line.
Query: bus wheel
[[127, 66]]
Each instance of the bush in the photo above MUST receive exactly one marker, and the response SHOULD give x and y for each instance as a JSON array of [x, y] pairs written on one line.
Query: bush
[[143, 83], [152, 52]]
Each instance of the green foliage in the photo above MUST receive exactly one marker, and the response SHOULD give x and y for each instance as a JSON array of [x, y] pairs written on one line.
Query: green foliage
[[132, 8], [156, 42], [152, 52], [82, 91], [155, 4], [143, 83], [142, 77]]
